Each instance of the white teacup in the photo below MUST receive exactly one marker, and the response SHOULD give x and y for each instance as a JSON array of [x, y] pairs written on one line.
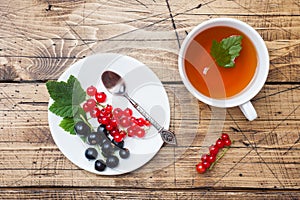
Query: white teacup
[[242, 99]]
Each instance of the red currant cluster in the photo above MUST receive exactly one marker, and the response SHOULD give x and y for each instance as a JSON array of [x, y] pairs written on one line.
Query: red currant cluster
[[208, 160], [133, 126], [119, 123]]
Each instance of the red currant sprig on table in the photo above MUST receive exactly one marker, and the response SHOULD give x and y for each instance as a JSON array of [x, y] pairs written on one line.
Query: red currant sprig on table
[[210, 159]]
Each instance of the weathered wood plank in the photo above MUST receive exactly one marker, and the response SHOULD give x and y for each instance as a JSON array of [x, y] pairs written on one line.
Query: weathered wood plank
[[269, 143], [58, 37], [106, 193], [276, 101], [23, 112], [239, 168], [240, 7]]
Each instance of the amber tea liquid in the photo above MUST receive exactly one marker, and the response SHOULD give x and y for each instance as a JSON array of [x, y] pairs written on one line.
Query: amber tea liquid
[[210, 79]]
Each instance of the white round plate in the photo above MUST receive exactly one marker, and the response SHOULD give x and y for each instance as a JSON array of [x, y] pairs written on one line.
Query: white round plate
[[142, 85]]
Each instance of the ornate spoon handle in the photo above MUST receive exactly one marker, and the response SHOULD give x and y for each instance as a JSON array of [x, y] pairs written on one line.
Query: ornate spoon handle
[[166, 135]]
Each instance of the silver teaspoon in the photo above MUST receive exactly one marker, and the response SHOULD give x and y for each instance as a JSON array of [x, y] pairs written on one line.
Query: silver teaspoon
[[116, 86]]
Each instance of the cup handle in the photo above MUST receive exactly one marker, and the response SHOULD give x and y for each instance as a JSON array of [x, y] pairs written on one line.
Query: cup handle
[[248, 110]]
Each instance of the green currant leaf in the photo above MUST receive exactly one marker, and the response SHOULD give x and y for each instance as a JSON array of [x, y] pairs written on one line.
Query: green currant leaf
[[78, 94], [65, 110], [61, 110], [67, 98], [59, 91], [227, 50], [66, 93], [68, 124]]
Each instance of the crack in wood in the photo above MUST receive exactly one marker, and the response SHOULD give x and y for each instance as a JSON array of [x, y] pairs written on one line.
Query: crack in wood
[[142, 3], [292, 146], [173, 23], [282, 91]]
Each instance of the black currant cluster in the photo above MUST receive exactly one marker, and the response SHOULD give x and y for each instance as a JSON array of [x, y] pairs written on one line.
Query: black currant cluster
[[101, 139]]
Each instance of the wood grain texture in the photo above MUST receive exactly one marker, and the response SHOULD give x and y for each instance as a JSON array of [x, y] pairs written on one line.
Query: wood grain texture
[[266, 144], [59, 36], [104, 193], [40, 39], [248, 168]]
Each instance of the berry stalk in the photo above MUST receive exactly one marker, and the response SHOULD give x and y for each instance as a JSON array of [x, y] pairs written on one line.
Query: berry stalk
[[219, 157]]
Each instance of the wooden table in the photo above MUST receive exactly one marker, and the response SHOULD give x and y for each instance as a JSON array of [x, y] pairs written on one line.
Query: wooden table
[[40, 39]]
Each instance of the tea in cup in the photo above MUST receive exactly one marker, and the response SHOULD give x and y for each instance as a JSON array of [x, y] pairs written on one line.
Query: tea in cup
[[224, 63]]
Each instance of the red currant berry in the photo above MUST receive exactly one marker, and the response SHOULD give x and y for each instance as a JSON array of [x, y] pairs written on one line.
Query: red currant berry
[[91, 91], [224, 136], [124, 122], [130, 131], [100, 97], [105, 120], [220, 143], [204, 157], [91, 103], [133, 121], [213, 150], [211, 159], [128, 112], [141, 121], [114, 132], [108, 108], [206, 164], [109, 127], [86, 107], [200, 168], [113, 123], [140, 133], [147, 123], [123, 134], [117, 112], [227, 143], [109, 115], [118, 138], [103, 113], [95, 113]]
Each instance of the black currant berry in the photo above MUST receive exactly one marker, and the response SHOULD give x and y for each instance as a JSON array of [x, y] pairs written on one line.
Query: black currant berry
[[100, 165], [82, 129], [112, 161], [124, 153], [107, 148], [93, 138], [102, 129], [91, 153], [103, 140]]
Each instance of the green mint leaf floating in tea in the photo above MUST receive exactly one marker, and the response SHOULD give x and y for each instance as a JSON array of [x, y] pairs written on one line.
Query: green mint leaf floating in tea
[[227, 50], [67, 98]]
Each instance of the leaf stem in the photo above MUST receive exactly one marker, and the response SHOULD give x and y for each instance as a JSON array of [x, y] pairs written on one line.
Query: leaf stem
[[86, 121]]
